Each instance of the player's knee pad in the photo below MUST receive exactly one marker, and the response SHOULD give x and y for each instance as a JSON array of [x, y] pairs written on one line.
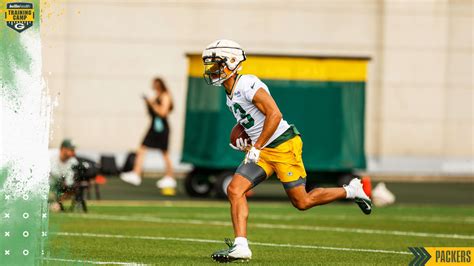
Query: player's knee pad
[[252, 172]]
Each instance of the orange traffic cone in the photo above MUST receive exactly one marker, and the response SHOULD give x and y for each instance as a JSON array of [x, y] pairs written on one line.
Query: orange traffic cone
[[100, 179], [367, 185]]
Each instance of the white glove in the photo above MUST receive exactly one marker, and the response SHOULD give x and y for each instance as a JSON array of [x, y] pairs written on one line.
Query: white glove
[[241, 144], [252, 155]]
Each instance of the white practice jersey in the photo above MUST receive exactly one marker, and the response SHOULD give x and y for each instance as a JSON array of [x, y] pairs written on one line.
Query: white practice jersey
[[246, 113]]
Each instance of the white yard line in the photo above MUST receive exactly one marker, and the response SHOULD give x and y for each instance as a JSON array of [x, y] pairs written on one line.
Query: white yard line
[[216, 241], [158, 204], [422, 219], [272, 226], [173, 204], [93, 262], [435, 219]]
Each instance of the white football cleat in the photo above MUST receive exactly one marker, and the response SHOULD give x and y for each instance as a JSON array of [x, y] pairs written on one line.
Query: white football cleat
[[131, 178], [166, 182], [233, 253], [381, 196], [355, 191]]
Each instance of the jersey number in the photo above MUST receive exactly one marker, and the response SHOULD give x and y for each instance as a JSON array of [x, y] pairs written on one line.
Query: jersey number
[[243, 114]]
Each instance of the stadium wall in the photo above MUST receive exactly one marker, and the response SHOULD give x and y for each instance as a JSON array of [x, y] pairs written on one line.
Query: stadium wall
[[100, 56]]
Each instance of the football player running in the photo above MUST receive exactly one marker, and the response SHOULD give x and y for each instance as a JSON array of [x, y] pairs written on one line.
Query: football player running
[[275, 147]]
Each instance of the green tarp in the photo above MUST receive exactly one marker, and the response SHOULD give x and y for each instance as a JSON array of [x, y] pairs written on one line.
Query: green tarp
[[329, 115]]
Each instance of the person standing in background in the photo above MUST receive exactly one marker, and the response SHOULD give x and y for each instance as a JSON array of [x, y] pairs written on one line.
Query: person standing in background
[[157, 137]]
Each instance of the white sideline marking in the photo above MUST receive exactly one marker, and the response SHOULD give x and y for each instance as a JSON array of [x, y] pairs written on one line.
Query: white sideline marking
[[94, 262], [216, 241], [273, 226]]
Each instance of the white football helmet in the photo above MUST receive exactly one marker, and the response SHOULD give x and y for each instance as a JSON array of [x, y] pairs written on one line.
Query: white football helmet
[[218, 56]]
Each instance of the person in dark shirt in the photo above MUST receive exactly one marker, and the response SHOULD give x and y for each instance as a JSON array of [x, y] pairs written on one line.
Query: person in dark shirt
[[157, 136]]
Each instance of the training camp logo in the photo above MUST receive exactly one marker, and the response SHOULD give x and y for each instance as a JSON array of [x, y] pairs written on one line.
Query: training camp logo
[[19, 16]]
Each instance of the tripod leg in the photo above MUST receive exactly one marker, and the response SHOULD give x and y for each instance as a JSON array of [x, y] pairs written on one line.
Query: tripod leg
[[97, 192]]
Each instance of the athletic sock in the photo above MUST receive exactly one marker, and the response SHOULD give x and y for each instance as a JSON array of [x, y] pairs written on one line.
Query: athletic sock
[[349, 192], [241, 241]]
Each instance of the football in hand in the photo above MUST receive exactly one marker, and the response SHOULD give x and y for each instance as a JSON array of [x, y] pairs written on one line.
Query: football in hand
[[238, 131]]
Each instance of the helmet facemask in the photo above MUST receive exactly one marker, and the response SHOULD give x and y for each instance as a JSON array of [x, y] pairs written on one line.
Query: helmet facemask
[[222, 59], [214, 71]]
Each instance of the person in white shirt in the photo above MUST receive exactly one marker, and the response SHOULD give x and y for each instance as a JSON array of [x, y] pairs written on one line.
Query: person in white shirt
[[61, 177]]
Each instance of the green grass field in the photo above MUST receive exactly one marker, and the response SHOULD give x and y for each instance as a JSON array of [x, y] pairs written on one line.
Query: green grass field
[[187, 232]]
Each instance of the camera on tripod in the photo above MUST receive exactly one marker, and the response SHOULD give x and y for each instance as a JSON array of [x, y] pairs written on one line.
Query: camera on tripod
[[84, 171]]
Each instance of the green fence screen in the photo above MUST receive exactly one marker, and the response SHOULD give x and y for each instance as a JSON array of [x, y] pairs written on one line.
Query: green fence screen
[[323, 97]]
